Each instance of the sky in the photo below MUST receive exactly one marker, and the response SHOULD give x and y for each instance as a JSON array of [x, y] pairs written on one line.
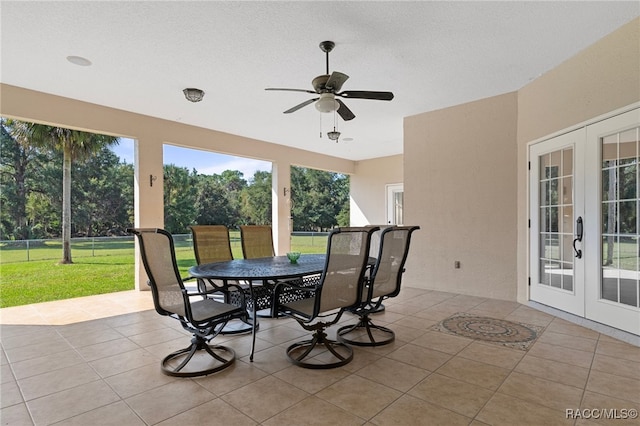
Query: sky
[[204, 162]]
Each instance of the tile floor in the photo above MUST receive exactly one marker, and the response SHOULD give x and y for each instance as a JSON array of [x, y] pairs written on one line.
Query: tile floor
[[95, 361]]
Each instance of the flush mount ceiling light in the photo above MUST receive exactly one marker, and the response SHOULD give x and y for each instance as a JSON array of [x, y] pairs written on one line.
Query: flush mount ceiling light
[[327, 103], [193, 95], [79, 60]]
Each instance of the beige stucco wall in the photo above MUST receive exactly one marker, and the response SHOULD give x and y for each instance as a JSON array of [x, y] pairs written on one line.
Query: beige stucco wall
[[460, 188], [602, 78], [369, 186]]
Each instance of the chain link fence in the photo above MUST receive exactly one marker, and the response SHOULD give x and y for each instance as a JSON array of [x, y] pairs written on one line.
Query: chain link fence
[[34, 250]]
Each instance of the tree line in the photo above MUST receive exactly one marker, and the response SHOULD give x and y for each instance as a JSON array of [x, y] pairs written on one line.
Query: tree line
[[33, 159]]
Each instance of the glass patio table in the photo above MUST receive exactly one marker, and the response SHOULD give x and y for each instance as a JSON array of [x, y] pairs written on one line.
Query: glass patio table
[[265, 269]]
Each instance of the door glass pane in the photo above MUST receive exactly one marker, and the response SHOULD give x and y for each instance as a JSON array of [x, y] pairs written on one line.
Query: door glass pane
[[567, 190], [609, 151], [567, 219], [544, 193], [398, 211], [555, 164], [609, 218], [628, 292], [609, 186], [567, 251], [567, 276], [553, 191], [544, 166], [567, 162], [556, 275], [628, 217], [619, 218], [544, 274], [556, 219], [628, 177], [545, 246], [553, 219]]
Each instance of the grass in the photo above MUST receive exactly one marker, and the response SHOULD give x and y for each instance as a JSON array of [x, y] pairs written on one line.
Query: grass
[[45, 280], [111, 269]]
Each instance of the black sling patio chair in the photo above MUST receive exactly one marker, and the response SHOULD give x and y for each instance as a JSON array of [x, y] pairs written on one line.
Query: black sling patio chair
[[257, 241], [338, 288], [383, 283], [198, 313], [211, 243]]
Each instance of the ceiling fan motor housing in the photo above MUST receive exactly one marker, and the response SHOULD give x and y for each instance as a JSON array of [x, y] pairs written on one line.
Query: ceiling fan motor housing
[[319, 83]]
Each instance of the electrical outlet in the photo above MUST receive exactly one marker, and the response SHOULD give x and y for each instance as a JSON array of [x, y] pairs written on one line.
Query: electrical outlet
[[456, 264]]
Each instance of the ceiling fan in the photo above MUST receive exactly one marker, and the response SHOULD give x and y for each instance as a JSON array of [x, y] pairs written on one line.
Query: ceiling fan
[[328, 87]]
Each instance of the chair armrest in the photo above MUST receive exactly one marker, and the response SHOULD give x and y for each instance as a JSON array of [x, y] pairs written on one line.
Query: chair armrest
[[289, 287]]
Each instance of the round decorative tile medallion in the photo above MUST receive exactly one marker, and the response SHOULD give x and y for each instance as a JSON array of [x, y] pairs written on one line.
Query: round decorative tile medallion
[[489, 329]]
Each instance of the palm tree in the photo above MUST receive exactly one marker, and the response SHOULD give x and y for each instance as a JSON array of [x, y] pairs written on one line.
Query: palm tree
[[75, 145]]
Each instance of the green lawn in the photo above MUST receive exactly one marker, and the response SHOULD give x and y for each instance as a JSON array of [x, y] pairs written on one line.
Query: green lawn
[[110, 269], [45, 280]]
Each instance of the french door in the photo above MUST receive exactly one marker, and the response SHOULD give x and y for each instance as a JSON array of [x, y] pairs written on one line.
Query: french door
[[584, 234], [557, 268]]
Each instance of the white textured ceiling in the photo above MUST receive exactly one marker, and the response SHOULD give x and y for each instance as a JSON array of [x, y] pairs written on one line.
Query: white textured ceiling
[[429, 54]]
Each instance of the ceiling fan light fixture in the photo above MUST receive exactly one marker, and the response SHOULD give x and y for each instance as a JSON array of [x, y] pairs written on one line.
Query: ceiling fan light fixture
[[193, 95], [327, 103], [334, 135]]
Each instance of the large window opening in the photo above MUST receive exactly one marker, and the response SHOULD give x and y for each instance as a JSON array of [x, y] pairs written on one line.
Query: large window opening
[[319, 199], [202, 187]]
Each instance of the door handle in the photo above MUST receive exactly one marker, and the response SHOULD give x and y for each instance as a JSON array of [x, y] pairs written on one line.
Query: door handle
[[579, 231]]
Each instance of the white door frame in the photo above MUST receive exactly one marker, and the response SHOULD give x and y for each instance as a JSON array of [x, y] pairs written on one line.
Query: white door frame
[[392, 189]]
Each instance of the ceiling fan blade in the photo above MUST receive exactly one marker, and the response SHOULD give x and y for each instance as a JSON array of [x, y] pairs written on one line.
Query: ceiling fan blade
[[304, 104], [336, 80], [290, 90], [345, 112], [365, 94]]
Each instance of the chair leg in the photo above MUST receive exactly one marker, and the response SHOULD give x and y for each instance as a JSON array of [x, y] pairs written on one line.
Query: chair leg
[[376, 335], [223, 355], [299, 352]]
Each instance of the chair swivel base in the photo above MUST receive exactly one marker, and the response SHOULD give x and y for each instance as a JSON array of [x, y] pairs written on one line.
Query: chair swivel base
[[222, 356], [365, 333], [301, 353]]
